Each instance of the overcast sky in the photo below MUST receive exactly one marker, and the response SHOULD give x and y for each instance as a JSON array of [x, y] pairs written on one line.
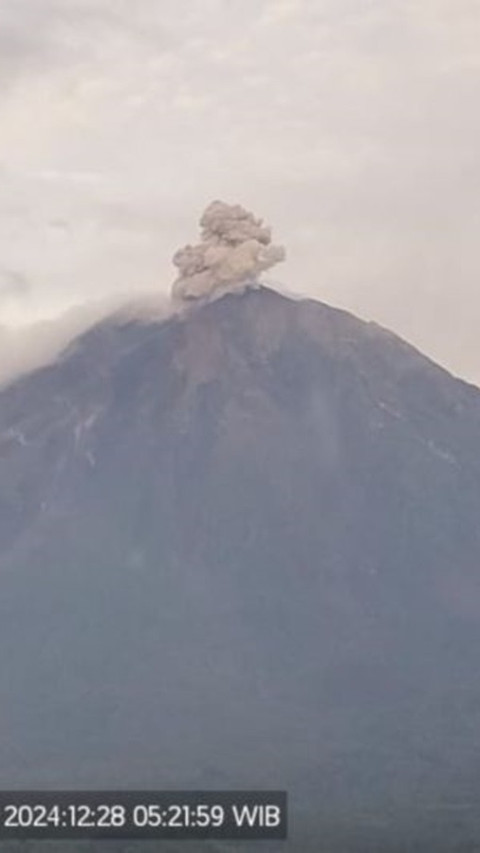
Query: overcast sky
[[351, 126]]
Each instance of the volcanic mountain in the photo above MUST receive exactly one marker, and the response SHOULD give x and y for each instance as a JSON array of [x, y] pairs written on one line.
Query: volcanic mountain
[[240, 548]]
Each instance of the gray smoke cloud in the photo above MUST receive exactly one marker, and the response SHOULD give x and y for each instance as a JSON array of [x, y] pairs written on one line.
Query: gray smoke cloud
[[235, 248]]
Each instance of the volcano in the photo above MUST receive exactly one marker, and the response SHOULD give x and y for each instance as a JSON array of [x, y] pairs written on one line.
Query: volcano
[[240, 548]]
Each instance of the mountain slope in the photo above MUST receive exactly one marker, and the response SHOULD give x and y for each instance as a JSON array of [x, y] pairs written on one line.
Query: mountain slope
[[241, 548]]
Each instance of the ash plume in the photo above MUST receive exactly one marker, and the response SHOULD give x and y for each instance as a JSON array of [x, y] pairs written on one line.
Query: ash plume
[[234, 249]]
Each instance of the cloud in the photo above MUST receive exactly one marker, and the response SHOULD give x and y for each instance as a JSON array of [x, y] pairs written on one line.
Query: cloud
[[13, 285], [280, 11], [354, 126], [26, 348]]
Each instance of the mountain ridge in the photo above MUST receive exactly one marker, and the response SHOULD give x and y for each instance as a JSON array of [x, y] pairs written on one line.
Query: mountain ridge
[[242, 544]]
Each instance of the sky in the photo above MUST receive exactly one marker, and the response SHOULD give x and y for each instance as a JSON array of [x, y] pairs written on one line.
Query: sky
[[351, 126]]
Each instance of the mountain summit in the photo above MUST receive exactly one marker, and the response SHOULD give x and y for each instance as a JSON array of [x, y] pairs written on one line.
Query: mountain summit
[[240, 547]]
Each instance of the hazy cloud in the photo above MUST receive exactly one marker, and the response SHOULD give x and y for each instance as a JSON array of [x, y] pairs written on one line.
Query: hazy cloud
[[13, 285], [353, 126]]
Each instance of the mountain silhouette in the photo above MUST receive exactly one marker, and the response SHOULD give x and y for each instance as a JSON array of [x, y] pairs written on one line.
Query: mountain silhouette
[[240, 548]]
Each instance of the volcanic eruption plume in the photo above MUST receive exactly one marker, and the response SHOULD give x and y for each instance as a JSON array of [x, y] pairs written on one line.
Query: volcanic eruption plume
[[235, 248]]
